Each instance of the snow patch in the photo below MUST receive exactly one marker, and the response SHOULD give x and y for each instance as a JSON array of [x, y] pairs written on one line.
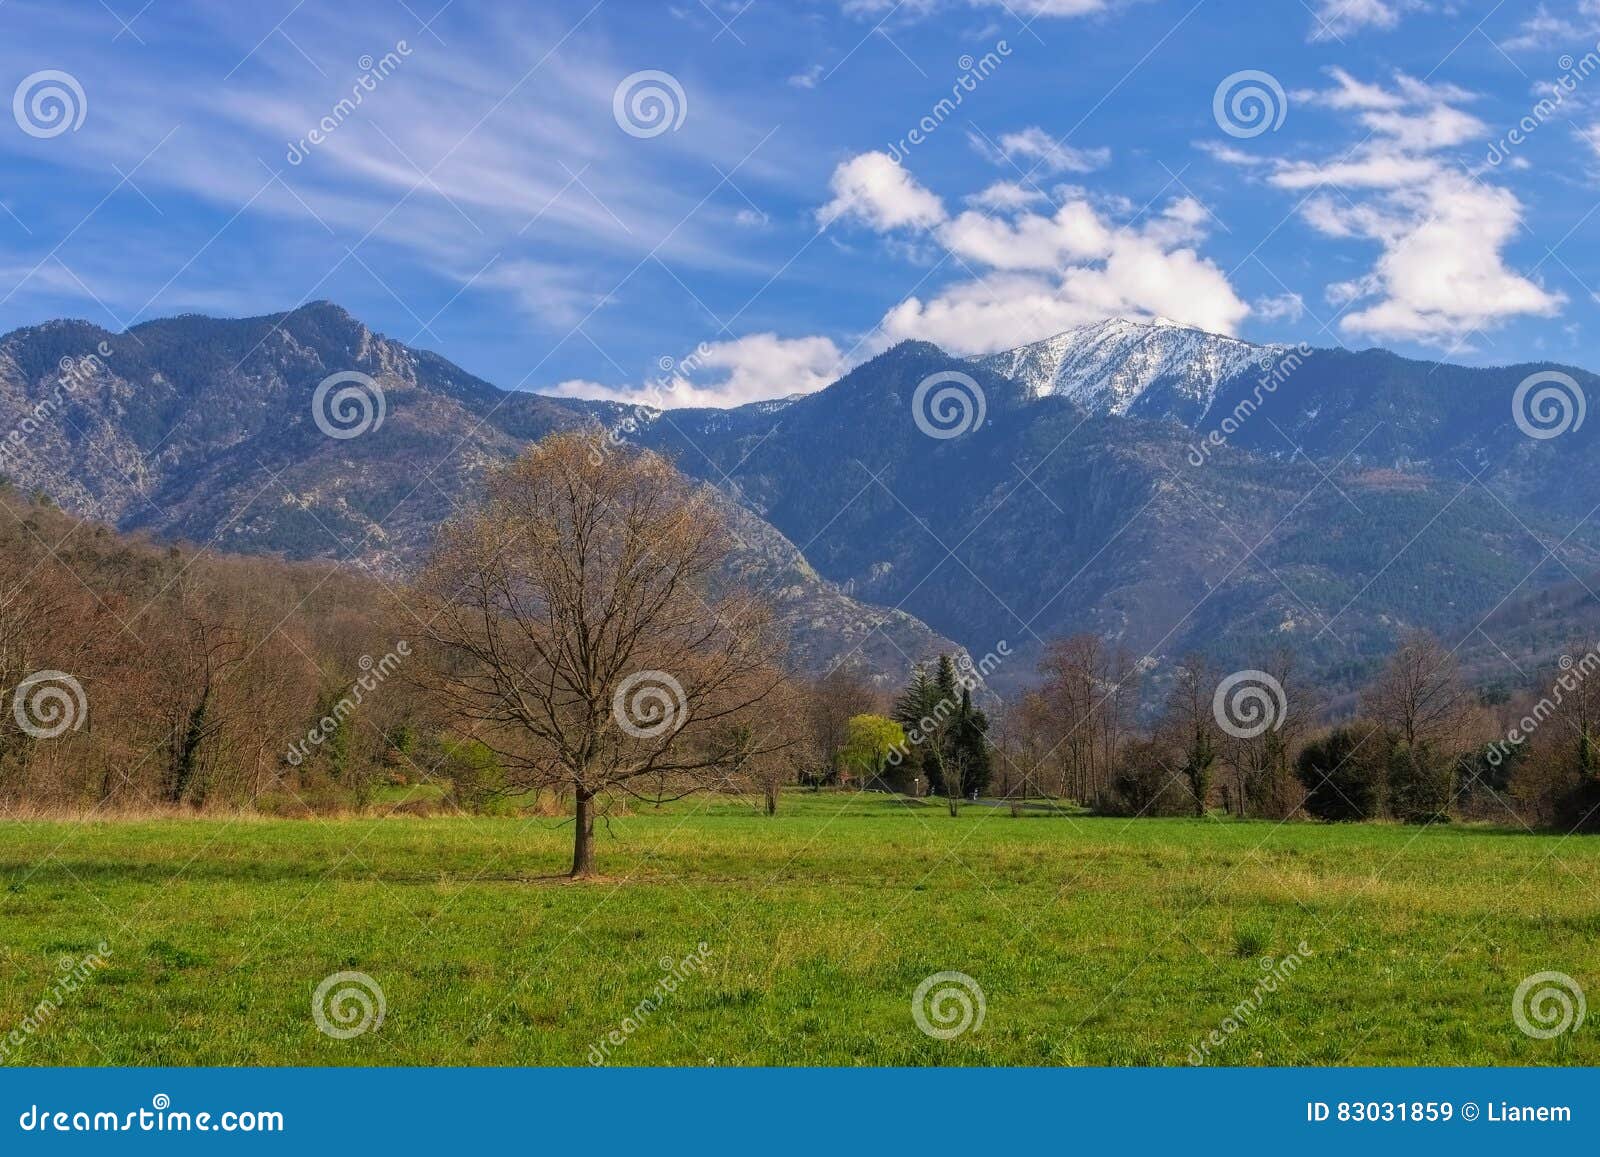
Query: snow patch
[[1108, 366]]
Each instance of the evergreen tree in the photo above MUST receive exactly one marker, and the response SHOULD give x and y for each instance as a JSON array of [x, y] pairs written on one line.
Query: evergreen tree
[[917, 710], [945, 732], [970, 739], [945, 681]]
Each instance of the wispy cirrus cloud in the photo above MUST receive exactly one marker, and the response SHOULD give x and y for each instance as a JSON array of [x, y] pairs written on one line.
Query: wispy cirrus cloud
[[1334, 19], [1548, 27], [502, 152], [915, 9], [1033, 150]]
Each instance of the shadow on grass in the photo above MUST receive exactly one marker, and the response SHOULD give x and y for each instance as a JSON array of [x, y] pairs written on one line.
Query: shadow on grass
[[62, 873]]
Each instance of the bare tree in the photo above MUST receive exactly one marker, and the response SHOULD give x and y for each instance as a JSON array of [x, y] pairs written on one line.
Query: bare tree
[[771, 762], [835, 699], [1085, 706], [1016, 734], [1419, 696], [1191, 723], [208, 645], [1262, 759], [576, 631]]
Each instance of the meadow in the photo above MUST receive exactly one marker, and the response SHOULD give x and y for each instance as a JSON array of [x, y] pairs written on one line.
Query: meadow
[[1094, 940]]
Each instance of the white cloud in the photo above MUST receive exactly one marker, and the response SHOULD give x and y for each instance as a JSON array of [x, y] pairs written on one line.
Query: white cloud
[[1230, 155], [911, 9], [1035, 150], [452, 158], [551, 294], [1546, 29], [1438, 127], [1341, 217], [1048, 7], [1541, 30], [1349, 93], [1138, 281], [1283, 307], [808, 78], [1036, 274], [1028, 240], [593, 391], [1441, 273], [871, 188], [1337, 18], [1408, 92], [1005, 196], [1371, 169], [753, 368]]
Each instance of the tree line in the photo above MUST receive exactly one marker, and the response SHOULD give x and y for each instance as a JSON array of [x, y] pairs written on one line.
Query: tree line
[[1420, 745], [578, 639]]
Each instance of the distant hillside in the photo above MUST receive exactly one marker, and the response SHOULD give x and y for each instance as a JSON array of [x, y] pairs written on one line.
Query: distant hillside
[[1049, 519], [205, 430], [1345, 497]]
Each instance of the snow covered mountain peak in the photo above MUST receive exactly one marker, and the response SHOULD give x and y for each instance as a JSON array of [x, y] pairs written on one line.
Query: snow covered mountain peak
[[1112, 366]]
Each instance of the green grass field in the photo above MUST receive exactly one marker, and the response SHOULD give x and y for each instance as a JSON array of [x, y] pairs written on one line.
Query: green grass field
[[1095, 941]]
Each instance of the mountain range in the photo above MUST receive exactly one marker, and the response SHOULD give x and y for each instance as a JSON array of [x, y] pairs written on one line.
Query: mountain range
[[1171, 489]]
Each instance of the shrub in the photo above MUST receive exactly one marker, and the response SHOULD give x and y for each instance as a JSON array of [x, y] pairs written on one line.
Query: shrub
[[1146, 781], [1345, 773], [1421, 783], [1553, 785], [475, 775], [1579, 809]]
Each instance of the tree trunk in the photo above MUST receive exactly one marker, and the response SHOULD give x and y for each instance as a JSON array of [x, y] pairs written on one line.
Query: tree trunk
[[583, 837], [772, 799]]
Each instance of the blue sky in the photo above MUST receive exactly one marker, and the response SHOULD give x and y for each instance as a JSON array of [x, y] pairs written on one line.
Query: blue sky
[[497, 196]]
